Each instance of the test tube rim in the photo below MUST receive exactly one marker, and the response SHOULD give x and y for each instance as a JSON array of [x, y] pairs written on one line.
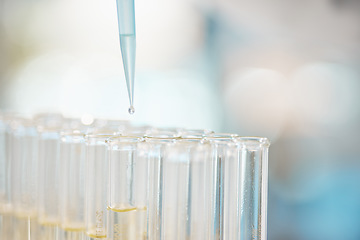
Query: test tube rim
[[192, 139], [245, 140], [161, 138], [125, 138], [222, 136], [72, 132], [220, 139], [76, 136]]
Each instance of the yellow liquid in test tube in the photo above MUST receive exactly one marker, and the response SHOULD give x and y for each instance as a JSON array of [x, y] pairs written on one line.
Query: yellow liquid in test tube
[[6, 226], [73, 232], [97, 232], [93, 234], [73, 228], [127, 223], [26, 226], [48, 230]]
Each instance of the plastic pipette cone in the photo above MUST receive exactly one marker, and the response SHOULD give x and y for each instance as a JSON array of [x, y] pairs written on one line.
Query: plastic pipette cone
[[126, 23], [128, 51]]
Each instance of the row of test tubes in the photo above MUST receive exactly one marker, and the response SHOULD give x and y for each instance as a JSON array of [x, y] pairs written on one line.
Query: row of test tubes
[[61, 179]]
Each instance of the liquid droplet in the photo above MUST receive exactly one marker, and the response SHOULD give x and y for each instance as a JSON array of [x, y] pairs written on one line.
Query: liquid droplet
[[131, 110]]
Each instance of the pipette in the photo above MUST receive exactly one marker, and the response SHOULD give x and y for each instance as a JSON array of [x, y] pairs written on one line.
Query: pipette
[[126, 23]]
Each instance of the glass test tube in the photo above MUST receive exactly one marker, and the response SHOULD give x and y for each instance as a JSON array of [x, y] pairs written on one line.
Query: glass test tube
[[72, 157], [232, 190], [240, 184], [253, 187], [24, 178], [199, 198], [127, 209], [97, 172], [49, 182], [216, 183], [157, 145], [184, 192], [175, 194], [6, 216]]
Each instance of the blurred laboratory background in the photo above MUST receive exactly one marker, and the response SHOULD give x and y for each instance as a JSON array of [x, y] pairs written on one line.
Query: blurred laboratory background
[[286, 70]]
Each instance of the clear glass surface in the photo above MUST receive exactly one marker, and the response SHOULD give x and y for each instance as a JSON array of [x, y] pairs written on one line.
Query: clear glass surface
[[127, 192], [72, 155], [49, 176], [97, 172], [253, 185], [155, 184], [24, 173], [157, 146], [5, 155], [7, 215]]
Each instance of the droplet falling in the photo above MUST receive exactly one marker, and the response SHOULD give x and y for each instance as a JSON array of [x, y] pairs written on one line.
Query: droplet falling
[[131, 109]]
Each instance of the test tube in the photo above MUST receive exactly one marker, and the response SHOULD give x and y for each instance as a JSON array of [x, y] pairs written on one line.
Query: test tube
[[198, 153], [141, 173], [127, 191], [24, 178], [72, 155], [157, 147], [185, 198], [252, 159], [49, 179], [97, 172], [6, 214], [221, 145], [175, 181]]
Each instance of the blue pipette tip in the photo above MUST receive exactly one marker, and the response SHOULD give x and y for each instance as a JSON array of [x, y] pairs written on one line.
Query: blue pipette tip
[[131, 109]]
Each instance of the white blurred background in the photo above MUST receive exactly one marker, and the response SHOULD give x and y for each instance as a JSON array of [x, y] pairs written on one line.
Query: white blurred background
[[286, 70]]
